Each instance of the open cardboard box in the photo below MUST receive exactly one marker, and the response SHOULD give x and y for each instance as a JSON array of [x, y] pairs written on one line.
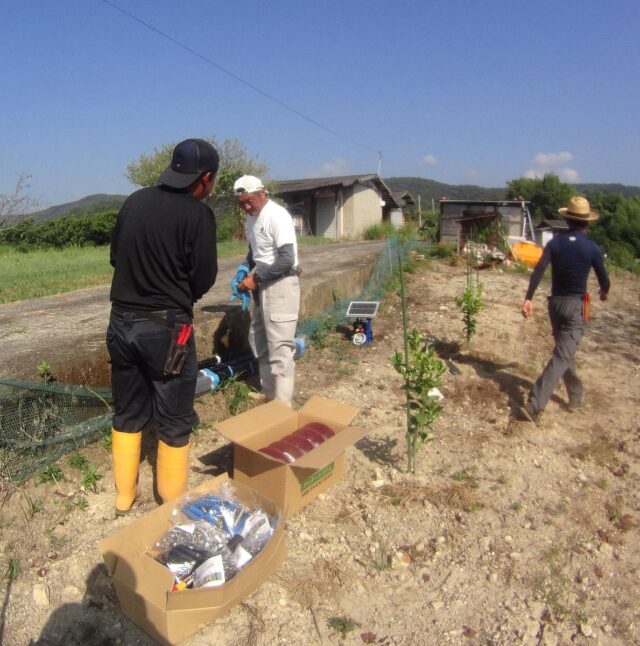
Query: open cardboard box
[[144, 586], [294, 485]]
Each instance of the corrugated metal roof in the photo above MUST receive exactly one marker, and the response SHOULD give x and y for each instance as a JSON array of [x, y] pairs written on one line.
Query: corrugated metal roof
[[312, 183]]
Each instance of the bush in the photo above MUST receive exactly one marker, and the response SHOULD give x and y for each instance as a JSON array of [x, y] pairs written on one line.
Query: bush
[[379, 231], [442, 250]]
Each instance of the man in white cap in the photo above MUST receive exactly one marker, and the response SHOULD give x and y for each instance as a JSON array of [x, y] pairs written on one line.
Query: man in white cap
[[571, 255], [274, 283]]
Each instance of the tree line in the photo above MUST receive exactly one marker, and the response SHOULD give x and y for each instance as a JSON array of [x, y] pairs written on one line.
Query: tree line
[[617, 230]]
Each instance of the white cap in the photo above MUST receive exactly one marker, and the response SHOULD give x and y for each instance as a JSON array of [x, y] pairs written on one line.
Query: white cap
[[247, 184]]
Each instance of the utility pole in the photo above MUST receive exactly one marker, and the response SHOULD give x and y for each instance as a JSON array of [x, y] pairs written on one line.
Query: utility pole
[[379, 163], [419, 212]]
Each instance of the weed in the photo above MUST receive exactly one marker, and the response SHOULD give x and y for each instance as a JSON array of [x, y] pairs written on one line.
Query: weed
[[31, 506], [319, 337], [106, 441], [236, 395], [602, 483], [78, 461], [82, 503], [467, 476], [13, 570], [343, 625], [381, 560], [50, 473], [516, 505], [90, 478], [45, 372]]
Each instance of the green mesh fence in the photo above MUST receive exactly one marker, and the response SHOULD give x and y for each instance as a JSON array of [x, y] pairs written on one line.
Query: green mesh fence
[[374, 289], [41, 422]]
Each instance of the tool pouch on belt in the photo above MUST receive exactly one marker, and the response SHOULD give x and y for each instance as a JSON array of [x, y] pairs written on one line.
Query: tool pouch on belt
[[586, 306], [178, 348]]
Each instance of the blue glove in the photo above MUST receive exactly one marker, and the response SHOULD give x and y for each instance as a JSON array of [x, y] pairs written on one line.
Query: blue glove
[[241, 274]]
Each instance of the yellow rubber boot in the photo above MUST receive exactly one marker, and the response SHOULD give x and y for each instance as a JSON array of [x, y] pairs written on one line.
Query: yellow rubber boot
[[125, 450], [172, 470]]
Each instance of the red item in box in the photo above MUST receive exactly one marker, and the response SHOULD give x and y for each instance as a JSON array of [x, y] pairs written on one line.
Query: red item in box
[[288, 447], [321, 428], [303, 443], [277, 454], [311, 434]]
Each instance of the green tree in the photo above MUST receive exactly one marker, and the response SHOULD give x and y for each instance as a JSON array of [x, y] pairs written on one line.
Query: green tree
[[546, 195], [234, 162]]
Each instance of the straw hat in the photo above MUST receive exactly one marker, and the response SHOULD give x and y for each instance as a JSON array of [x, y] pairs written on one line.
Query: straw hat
[[578, 209]]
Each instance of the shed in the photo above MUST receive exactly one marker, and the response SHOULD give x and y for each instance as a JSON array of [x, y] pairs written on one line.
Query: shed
[[336, 207], [461, 219], [403, 199], [548, 228]]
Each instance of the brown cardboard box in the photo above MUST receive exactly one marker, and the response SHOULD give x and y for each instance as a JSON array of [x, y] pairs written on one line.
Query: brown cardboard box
[[143, 585], [291, 486]]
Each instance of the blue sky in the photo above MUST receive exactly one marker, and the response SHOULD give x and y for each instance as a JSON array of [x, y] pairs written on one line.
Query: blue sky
[[451, 90]]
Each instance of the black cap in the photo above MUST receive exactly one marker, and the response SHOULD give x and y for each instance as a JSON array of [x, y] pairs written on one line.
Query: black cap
[[190, 159]]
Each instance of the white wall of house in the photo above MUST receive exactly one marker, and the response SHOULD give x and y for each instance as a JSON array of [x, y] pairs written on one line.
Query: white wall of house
[[362, 209]]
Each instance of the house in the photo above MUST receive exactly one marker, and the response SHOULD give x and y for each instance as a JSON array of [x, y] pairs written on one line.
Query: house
[[548, 228], [336, 207], [461, 220], [402, 199]]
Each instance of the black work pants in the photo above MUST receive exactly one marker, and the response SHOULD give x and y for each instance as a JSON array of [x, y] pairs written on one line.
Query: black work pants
[[138, 349]]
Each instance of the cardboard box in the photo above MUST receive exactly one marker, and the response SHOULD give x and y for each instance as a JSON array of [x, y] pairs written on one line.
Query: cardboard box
[[294, 485], [143, 585]]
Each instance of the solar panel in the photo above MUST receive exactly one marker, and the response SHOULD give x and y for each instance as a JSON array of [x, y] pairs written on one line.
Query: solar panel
[[367, 309]]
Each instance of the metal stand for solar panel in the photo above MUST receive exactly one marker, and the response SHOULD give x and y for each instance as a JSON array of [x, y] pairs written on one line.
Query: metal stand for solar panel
[[362, 312]]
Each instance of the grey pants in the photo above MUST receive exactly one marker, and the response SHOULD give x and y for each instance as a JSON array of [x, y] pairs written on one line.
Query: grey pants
[[273, 328], [565, 313]]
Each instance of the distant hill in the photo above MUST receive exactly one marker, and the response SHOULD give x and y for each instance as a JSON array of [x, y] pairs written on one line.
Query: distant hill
[[85, 206], [429, 189]]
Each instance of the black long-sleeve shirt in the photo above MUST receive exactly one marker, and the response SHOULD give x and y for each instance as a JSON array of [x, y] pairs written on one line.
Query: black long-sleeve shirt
[[572, 255], [163, 249]]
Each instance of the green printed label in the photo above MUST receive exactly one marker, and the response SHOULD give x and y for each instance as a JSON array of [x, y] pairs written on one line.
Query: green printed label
[[317, 477]]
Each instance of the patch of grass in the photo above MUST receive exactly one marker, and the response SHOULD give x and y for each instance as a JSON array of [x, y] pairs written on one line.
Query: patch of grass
[[516, 505], [343, 625], [50, 473], [81, 503]]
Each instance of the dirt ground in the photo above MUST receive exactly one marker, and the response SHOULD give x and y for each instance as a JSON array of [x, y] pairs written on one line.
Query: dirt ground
[[508, 533]]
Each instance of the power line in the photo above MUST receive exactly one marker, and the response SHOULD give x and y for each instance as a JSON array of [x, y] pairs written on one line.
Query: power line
[[175, 41]]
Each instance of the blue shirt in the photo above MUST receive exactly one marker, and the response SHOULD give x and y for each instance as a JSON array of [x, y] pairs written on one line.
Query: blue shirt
[[572, 255]]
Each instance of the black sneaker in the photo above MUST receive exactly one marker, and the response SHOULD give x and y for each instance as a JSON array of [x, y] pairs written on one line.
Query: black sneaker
[[528, 413]]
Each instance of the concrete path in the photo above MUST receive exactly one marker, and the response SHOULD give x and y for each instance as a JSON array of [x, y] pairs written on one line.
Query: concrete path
[[69, 328]]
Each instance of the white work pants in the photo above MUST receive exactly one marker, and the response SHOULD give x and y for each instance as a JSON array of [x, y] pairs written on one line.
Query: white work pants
[[273, 327]]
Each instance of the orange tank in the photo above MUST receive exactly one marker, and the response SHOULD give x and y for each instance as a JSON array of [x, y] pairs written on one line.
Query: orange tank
[[527, 253]]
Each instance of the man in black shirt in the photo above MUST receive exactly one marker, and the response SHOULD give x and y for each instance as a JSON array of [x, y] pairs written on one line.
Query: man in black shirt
[[163, 249], [572, 255]]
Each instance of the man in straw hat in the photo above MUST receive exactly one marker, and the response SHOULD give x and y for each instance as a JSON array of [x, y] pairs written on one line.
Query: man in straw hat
[[572, 255]]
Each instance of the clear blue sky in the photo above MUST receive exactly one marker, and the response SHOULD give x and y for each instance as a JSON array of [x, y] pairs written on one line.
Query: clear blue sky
[[451, 90]]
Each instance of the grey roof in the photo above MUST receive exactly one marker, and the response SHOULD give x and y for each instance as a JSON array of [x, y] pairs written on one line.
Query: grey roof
[[403, 198], [553, 224], [315, 183]]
